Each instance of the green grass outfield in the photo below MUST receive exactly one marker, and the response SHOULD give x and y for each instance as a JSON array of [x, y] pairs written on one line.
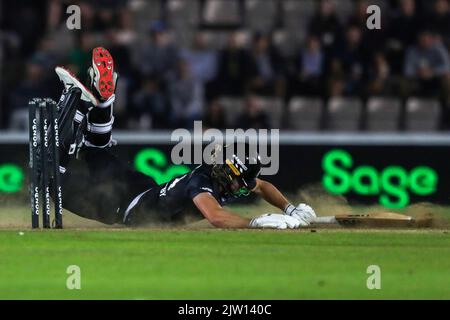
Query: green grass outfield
[[218, 264]]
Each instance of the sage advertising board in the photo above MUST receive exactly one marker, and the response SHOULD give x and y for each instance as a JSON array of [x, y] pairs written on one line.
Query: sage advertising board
[[391, 175]]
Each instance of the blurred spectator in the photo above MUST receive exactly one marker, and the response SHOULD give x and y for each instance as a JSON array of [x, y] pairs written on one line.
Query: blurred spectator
[[126, 33], [359, 14], [439, 20], [380, 78], [120, 42], [80, 56], [148, 109], [46, 54], [405, 23], [214, 116], [310, 68], [203, 60], [54, 13], [26, 20], [33, 85], [427, 64], [232, 66], [372, 40], [336, 87], [403, 29], [325, 24], [120, 52], [159, 56], [186, 97], [106, 18], [265, 68], [312, 59], [351, 56], [336, 79], [88, 18], [253, 116]]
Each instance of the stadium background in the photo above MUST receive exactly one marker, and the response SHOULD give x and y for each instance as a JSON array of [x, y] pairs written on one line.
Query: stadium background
[[310, 68], [239, 63]]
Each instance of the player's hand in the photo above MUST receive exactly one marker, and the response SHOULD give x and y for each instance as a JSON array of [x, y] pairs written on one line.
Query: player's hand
[[275, 221], [302, 212]]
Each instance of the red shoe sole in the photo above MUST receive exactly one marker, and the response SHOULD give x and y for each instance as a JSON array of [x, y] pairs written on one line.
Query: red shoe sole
[[104, 63]]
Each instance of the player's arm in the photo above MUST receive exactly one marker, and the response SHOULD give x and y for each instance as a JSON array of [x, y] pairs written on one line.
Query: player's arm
[[222, 218], [271, 194], [217, 215]]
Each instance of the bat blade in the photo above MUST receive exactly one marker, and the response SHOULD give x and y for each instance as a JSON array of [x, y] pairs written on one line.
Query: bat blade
[[375, 219]]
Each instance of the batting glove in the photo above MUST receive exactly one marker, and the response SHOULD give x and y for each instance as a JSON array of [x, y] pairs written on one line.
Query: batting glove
[[275, 221], [302, 212]]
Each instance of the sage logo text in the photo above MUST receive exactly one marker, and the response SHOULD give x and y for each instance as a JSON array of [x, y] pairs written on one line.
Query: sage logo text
[[392, 184]]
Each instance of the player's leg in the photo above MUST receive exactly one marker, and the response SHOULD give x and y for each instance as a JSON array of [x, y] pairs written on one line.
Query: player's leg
[[103, 81], [72, 138], [94, 112], [143, 209], [100, 186], [97, 185], [112, 177], [67, 108], [100, 120]]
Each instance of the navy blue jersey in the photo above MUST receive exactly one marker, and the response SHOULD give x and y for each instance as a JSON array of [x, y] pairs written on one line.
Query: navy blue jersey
[[172, 201], [175, 197]]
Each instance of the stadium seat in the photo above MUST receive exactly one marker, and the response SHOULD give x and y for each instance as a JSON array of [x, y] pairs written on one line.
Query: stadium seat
[[183, 18], [221, 11], [296, 14], [344, 114], [145, 11], [274, 108], [19, 120], [261, 14], [305, 113], [287, 41], [217, 39], [232, 107], [383, 4], [183, 14], [422, 114], [383, 114], [344, 9]]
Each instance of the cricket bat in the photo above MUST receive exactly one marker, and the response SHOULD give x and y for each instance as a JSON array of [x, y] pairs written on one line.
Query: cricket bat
[[375, 219]]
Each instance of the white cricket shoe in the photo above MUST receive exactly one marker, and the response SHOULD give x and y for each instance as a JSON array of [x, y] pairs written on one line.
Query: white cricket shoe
[[69, 80]]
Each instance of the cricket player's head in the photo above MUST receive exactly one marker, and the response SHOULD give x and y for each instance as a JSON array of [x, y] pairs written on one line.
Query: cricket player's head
[[235, 168]]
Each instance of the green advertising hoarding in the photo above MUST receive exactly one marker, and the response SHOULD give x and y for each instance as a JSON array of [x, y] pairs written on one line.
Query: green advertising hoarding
[[393, 176], [11, 178]]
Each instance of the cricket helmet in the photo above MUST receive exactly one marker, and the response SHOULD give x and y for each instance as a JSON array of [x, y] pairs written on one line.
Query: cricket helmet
[[235, 168]]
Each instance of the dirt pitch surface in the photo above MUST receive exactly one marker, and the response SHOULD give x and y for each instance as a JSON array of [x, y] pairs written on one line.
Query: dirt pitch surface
[[198, 262]]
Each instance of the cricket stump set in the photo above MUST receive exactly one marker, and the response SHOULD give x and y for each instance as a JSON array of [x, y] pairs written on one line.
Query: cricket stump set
[[45, 178]]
